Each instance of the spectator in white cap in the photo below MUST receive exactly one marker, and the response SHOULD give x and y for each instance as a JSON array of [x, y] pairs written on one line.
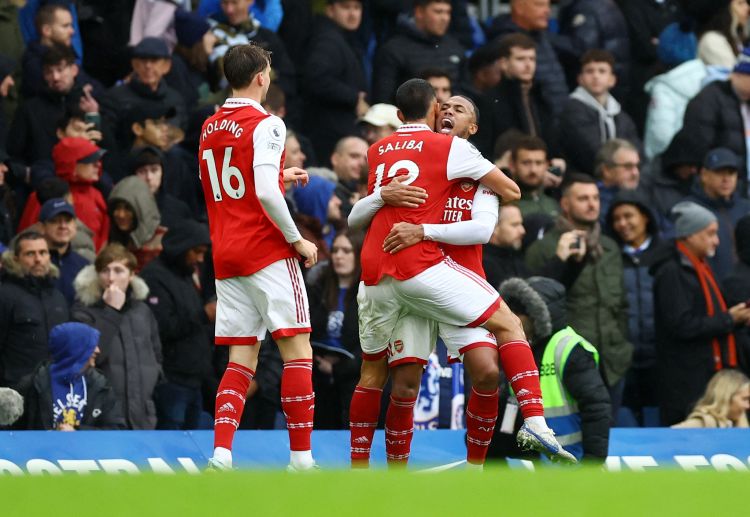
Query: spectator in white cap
[[380, 121], [694, 327]]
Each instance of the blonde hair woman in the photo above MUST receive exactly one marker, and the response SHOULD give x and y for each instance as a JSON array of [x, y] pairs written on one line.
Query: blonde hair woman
[[724, 404]]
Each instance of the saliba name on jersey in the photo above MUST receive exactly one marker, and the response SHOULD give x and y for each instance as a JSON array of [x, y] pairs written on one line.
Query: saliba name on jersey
[[412, 145], [230, 126]]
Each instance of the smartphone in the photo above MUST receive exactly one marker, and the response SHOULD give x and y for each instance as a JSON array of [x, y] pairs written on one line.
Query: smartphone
[[93, 118], [555, 171], [577, 244]]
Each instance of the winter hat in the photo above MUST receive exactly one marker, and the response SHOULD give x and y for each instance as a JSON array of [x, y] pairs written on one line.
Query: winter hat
[[190, 27], [541, 299], [71, 344], [182, 237], [313, 199], [690, 218]]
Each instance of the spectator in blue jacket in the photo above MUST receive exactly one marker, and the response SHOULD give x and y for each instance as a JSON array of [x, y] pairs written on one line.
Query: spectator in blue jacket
[[633, 225]]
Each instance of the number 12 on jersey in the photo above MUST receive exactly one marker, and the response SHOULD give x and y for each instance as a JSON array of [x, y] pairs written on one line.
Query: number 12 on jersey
[[411, 168], [227, 173]]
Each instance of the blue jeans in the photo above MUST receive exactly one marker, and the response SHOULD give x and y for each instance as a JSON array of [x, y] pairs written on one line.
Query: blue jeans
[[178, 407]]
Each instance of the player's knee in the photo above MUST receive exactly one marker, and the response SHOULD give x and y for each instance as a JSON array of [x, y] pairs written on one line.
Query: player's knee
[[405, 390], [373, 374], [486, 378]]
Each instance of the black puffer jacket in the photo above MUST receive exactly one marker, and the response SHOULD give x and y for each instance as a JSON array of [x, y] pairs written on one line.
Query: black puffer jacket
[[178, 307], [684, 333], [549, 72], [589, 24], [736, 286], [543, 301], [408, 53], [334, 75], [130, 346], [714, 119], [29, 308], [102, 406]]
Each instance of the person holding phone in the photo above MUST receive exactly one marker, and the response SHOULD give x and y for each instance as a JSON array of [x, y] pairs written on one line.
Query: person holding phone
[[588, 263]]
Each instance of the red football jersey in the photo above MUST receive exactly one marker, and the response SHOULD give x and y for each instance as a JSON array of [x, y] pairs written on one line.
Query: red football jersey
[[430, 160], [237, 138], [457, 209]]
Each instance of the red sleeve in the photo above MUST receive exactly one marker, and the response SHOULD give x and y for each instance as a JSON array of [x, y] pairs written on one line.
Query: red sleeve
[[30, 213]]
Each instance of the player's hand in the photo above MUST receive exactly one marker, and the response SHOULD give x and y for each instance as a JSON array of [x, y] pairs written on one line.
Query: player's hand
[[295, 176], [401, 236], [400, 195], [65, 427], [114, 297], [362, 105], [308, 250]]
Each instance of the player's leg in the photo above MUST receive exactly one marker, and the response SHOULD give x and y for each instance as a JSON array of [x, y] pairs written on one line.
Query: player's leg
[[297, 397], [433, 293], [280, 295], [411, 344], [238, 325], [477, 348], [364, 409], [377, 319], [520, 369]]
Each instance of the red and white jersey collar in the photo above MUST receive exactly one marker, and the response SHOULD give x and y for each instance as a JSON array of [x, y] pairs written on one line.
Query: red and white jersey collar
[[411, 128], [240, 102]]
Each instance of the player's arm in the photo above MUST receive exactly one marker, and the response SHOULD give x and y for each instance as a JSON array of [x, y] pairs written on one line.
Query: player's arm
[[394, 194], [478, 230], [268, 143], [464, 161]]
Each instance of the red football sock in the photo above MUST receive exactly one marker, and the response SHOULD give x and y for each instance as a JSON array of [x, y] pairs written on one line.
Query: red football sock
[[481, 414], [520, 369], [298, 402], [230, 403], [399, 429], [363, 418]]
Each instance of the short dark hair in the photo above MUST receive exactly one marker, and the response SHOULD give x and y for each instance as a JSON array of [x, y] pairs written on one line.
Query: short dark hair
[[425, 3], [473, 106], [57, 54], [572, 178], [51, 188], [243, 62], [514, 40], [46, 15], [28, 235], [596, 55], [426, 73], [527, 143], [483, 57], [73, 112], [506, 142], [413, 98]]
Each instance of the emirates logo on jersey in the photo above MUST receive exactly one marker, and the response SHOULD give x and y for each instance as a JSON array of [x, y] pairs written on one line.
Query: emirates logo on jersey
[[466, 186]]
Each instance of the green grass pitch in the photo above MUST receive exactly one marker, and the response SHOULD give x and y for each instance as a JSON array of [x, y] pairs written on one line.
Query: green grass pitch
[[495, 492]]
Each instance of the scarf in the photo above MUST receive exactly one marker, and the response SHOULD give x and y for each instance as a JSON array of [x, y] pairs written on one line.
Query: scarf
[[607, 113], [593, 246], [709, 286]]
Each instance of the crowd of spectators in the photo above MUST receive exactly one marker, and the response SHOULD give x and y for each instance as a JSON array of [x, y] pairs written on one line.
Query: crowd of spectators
[[624, 122]]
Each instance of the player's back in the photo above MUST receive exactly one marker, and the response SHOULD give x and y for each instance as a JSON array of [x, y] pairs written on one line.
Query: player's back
[[243, 237], [422, 155]]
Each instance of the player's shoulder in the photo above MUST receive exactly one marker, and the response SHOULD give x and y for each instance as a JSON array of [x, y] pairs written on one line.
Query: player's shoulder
[[272, 128]]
